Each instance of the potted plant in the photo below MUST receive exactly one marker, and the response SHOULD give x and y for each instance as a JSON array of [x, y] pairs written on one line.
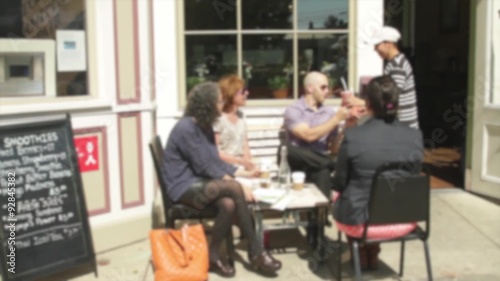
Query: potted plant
[[328, 69], [279, 85], [201, 70], [192, 81]]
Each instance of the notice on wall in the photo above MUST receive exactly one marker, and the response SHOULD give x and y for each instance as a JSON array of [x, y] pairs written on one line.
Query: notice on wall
[[43, 216], [87, 153], [71, 50]]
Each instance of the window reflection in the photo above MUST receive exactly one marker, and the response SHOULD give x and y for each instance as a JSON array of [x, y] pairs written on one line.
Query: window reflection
[[209, 14], [29, 73], [326, 53], [323, 14], [274, 14], [22, 74], [209, 58], [268, 65]]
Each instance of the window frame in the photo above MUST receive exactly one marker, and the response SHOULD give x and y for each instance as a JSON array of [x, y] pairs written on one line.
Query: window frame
[[239, 32]]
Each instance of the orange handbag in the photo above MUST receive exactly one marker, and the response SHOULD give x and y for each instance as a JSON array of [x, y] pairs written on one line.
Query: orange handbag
[[180, 254]]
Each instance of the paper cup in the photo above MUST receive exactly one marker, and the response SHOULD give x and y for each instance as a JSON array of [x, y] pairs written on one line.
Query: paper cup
[[265, 182], [298, 179], [345, 96]]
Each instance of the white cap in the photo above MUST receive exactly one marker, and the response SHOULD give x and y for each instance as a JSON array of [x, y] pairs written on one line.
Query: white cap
[[386, 33]]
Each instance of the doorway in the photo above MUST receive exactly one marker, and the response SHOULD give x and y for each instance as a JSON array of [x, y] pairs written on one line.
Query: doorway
[[435, 38]]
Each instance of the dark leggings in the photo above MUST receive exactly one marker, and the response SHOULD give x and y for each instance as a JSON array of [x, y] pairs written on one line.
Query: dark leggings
[[228, 197]]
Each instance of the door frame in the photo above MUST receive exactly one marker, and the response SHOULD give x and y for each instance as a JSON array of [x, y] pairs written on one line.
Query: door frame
[[484, 113]]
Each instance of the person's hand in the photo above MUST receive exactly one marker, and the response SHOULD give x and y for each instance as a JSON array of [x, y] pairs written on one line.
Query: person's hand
[[351, 101], [343, 113], [358, 111], [248, 194], [247, 163], [242, 172], [254, 173]]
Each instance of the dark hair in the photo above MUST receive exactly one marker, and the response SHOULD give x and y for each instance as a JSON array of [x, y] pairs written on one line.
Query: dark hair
[[383, 98], [202, 105]]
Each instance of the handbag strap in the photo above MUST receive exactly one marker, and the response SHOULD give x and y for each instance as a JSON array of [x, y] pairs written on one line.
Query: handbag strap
[[181, 239]]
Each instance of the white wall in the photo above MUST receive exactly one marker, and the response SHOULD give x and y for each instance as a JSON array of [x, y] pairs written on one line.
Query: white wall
[[166, 78], [370, 17]]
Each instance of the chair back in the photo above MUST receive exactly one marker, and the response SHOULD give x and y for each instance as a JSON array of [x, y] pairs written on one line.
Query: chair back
[[400, 193], [157, 153]]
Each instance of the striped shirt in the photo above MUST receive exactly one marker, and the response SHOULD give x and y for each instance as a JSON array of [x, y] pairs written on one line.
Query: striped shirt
[[399, 68]]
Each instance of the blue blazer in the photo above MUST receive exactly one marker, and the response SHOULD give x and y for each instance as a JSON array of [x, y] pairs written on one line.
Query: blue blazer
[[362, 151]]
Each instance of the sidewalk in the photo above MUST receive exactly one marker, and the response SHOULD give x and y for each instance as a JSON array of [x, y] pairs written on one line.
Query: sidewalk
[[464, 245]]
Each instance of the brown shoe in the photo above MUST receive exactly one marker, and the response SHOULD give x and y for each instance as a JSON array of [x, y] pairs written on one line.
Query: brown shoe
[[373, 250], [363, 258], [222, 269], [265, 262], [363, 255]]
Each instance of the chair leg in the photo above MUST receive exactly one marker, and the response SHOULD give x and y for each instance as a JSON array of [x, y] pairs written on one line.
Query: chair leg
[[357, 263], [402, 258], [428, 260], [169, 222], [339, 249], [230, 247]]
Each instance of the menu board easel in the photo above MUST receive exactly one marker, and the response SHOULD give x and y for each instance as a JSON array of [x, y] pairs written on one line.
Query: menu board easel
[[43, 213]]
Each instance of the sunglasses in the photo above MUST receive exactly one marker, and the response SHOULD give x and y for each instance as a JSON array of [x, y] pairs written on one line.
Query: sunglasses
[[244, 91], [324, 87]]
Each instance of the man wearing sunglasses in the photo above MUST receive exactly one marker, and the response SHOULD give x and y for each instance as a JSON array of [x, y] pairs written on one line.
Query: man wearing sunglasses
[[310, 126]]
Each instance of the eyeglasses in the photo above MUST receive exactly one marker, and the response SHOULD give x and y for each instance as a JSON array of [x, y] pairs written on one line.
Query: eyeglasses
[[244, 91]]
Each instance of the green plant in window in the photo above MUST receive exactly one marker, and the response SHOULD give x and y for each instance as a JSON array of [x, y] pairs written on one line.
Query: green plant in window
[[278, 82], [328, 69], [282, 81], [332, 81], [193, 81], [201, 70]]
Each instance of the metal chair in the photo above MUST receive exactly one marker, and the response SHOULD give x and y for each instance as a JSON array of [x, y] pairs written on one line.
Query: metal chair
[[400, 193], [177, 211]]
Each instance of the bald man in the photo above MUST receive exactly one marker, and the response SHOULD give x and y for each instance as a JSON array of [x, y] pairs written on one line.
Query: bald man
[[310, 127]]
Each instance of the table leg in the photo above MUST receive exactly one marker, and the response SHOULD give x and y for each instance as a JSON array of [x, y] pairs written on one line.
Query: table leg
[[320, 233], [259, 228]]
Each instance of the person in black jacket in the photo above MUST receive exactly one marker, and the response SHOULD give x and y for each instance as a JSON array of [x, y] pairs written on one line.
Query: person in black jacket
[[382, 138], [196, 176]]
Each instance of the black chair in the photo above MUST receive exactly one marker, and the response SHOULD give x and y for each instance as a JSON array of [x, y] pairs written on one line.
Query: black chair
[[400, 193], [177, 211]]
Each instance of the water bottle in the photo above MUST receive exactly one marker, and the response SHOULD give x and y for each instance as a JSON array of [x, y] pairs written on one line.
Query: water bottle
[[284, 169]]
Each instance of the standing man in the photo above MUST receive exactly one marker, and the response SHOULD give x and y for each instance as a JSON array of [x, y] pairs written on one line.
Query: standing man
[[399, 68], [310, 126]]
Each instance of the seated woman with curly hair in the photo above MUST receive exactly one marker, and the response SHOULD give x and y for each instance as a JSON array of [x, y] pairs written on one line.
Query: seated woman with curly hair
[[196, 176]]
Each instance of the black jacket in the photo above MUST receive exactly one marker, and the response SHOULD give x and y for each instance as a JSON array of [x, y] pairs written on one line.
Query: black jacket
[[362, 151]]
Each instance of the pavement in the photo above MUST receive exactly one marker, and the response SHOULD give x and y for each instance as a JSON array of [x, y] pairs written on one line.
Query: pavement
[[464, 245]]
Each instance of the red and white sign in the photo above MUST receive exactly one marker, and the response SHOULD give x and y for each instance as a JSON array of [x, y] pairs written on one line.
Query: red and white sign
[[87, 152]]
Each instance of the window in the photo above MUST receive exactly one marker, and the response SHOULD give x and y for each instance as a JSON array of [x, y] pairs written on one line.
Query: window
[[271, 44], [42, 48]]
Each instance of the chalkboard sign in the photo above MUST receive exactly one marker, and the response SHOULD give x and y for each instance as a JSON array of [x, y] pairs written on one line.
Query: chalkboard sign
[[42, 205]]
